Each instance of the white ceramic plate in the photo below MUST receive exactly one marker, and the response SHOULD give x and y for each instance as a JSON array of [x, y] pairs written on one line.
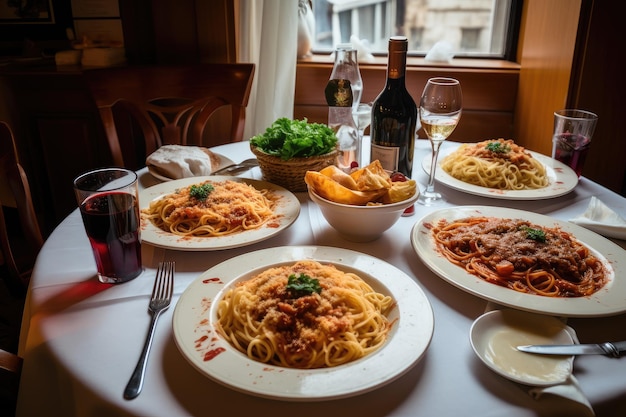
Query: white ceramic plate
[[218, 161], [609, 300], [562, 179], [495, 335], [287, 210], [195, 315]]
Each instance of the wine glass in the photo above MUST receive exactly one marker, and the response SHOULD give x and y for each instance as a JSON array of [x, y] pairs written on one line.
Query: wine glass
[[362, 115], [439, 111]]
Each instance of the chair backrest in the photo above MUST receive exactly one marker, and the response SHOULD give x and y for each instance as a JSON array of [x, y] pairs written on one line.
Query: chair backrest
[[18, 250], [10, 374], [145, 107]]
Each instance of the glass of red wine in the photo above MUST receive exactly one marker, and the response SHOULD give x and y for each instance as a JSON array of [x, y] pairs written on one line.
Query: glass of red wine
[[573, 130], [109, 206]]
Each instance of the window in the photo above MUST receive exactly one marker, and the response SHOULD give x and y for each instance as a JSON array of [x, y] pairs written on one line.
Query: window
[[474, 28], [470, 39]]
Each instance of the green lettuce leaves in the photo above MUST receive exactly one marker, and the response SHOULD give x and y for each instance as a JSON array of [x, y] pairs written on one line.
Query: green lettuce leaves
[[287, 139]]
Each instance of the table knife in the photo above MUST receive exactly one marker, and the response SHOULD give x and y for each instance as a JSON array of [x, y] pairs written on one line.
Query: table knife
[[614, 349]]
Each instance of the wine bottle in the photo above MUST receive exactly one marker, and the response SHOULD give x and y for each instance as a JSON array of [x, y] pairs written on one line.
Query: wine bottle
[[394, 115]]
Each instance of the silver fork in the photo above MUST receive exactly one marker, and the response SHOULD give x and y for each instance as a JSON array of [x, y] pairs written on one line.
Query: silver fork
[[235, 169], [159, 302]]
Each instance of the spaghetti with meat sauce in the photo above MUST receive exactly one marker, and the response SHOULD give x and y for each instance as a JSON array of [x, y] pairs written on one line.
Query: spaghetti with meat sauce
[[212, 208], [517, 254], [304, 315]]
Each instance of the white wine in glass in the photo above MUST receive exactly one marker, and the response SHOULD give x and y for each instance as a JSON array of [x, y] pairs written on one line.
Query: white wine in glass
[[439, 112]]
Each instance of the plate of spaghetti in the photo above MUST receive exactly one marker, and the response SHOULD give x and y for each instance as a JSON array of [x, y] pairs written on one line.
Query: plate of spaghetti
[[524, 260], [502, 169], [303, 323], [214, 212]]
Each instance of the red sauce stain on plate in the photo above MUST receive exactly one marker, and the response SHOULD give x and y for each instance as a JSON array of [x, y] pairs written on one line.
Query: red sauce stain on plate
[[198, 343], [211, 354]]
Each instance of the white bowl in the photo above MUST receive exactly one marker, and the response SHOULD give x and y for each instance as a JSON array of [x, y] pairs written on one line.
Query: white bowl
[[361, 223], [495, 336]]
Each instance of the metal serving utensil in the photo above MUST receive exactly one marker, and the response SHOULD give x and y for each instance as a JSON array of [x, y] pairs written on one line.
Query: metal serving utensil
[[237, 168]]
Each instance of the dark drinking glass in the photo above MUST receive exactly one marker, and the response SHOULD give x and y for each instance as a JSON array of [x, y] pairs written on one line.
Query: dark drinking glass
[[108, 202], [111, 222], [572, 150], [573, 130]]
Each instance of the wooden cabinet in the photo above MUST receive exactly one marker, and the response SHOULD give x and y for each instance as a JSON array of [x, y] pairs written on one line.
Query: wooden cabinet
[[58, 132]]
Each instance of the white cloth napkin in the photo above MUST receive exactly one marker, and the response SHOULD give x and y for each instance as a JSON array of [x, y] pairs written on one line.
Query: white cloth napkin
[[179, 161], [552, 396], [601, 219]]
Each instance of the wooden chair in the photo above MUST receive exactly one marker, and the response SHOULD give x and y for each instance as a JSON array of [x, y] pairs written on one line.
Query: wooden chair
[[19, 243], [145, 107], [10, 373]]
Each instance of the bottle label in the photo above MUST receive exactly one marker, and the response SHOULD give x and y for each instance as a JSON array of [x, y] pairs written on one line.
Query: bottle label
[[338, 93], [387, 155]]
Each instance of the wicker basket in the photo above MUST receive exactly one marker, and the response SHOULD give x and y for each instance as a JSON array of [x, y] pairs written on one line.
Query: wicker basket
[[290, 173]]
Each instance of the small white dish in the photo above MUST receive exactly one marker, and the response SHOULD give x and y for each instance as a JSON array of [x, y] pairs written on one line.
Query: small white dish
[[495, 336]]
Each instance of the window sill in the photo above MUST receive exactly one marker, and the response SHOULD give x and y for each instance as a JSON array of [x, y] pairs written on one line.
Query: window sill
[[417, 62], [489, 90]]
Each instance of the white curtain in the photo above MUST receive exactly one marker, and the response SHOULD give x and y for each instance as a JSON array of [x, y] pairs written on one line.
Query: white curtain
[[268, 34]]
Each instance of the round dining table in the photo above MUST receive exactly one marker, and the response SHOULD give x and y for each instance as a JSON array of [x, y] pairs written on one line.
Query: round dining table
[[81, 339]]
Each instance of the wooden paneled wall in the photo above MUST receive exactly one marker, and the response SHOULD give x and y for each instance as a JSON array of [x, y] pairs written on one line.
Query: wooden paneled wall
[[547, 41], [570, 58], [597, 83]]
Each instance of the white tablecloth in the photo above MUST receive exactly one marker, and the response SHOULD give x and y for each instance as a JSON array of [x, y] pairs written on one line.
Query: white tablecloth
[[82, 339]]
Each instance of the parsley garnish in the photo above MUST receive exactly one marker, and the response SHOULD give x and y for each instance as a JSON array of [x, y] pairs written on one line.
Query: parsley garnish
[[498, 147], [303, 285], [535, 234], [200, 192]]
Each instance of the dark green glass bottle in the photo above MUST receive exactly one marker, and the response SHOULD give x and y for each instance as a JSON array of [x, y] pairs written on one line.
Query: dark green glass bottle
[[394, 115]]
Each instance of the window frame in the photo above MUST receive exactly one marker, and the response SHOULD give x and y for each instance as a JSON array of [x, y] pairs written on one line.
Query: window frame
[[510, 42]]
